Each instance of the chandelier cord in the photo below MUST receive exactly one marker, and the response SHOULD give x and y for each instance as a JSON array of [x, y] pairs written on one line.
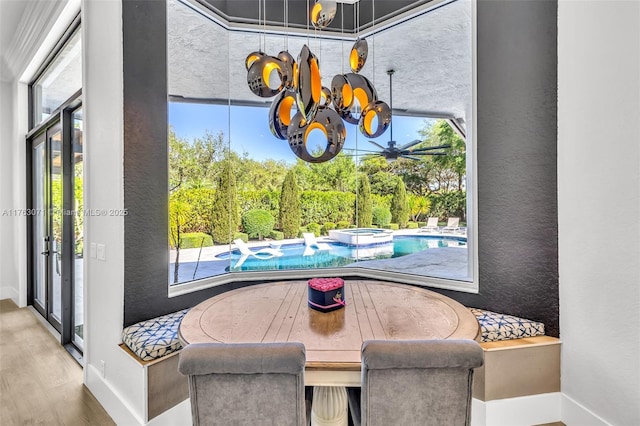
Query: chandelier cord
[[390, 72], [373, 39], [342, 37]]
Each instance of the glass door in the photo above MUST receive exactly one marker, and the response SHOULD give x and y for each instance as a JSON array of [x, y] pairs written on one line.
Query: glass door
[[76, 225], [46, 209]]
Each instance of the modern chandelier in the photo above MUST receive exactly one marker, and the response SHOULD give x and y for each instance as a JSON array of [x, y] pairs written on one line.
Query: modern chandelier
[[297, 84]]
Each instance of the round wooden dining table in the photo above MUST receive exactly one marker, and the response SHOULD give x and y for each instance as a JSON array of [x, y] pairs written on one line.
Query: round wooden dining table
[[278, 312]]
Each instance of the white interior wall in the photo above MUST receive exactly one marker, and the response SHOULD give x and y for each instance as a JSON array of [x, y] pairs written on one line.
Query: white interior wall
[[120, 389], [599, 210], [8, 266]]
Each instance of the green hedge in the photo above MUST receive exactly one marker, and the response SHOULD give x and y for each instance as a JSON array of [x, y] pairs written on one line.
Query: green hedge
[[244, 237], [200, 201], [327, 206], [315, 228], [260, 200], [328, 226], [343, 224], [195, 239], [276, 235], [392, 226], [412, 225], [303, 229]]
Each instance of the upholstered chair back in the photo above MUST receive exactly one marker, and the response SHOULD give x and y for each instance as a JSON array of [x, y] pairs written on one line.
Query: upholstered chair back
[[245, 384], [419, 383]]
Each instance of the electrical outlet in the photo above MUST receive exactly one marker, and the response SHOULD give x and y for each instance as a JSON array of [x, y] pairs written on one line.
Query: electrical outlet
[[102, 368], [100, 251]]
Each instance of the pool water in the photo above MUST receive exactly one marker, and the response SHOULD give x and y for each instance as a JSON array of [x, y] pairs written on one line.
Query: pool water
[[298, 256]]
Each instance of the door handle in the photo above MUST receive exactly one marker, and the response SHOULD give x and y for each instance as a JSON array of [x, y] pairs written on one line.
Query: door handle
[[48, 252]]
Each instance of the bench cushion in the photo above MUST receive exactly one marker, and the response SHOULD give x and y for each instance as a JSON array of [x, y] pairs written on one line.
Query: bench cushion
[[495, 326], [154, 338]]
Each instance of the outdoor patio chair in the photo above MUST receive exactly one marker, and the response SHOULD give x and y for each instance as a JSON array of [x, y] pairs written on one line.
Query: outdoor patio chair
[[245, 383], [261, 253], [452, 225], [432, 225], [417, 382], [310, 241]]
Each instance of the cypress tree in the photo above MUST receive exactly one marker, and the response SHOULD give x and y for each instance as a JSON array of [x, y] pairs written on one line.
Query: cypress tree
[[290, 216], [365, 202], [225, 214], [400, 205]]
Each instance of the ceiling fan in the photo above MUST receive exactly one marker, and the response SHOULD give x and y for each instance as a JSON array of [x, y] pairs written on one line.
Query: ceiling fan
[[391, 151]]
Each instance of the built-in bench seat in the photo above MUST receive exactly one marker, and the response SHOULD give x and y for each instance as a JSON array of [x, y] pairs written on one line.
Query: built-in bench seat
[[154, 344], [519, 360]]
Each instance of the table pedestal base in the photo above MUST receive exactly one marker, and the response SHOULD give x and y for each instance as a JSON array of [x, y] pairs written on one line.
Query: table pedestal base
[[330, 406]]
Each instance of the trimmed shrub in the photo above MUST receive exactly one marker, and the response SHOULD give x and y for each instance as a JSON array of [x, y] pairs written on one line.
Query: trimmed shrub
[[244, 237], [343, 224], [195, 240], [301, 231], [412, 225], [290, 214], [353, 226], [315, 228], [392, 226], [400, 205], [225, 215], [328, 226], [364, 202], [421, 224], [276, 235], [258, 223], [381, 216]]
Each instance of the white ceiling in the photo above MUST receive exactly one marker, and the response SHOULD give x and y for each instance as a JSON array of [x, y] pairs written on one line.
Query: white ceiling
[[430, 53], [10, 16]]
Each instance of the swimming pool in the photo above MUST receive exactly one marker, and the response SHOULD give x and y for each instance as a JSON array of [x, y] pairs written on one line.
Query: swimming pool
[[298, 256]]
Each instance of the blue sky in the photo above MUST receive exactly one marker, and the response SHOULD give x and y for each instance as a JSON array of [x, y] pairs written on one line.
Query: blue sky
[[250, 129]]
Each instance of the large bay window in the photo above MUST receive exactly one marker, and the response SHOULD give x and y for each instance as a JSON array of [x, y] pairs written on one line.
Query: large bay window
[[244, 207]]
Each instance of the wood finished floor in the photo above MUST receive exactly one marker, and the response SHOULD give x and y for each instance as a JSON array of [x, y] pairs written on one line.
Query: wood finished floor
[[40, 383]]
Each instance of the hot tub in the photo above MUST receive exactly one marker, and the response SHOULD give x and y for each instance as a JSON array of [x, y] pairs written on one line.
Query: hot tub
[[361, 236]]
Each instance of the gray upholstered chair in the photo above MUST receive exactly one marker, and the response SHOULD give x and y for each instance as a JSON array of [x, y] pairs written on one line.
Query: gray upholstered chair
[[418, 383], [245, 384]]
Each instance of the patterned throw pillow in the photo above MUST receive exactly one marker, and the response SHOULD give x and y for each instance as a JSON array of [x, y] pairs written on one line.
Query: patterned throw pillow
[[496, 326], [154, 338]]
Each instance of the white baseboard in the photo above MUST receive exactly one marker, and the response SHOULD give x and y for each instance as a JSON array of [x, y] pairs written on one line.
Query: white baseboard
[[574, 413], [8, 292], [521, 411], [110, 399]]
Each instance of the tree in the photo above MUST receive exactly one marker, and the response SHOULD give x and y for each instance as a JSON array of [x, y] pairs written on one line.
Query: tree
[[290, 216], [225, 214], [418, 206], [400, 205], [364, 202], [257, 223], [179, 213]]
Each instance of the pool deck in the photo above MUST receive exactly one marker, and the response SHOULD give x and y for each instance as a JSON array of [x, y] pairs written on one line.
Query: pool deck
[[445, 262]]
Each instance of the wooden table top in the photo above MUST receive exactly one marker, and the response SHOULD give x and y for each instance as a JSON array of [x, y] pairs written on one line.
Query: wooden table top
[[278, 312]]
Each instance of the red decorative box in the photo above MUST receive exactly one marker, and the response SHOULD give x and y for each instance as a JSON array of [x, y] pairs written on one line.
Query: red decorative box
[[326, 294]]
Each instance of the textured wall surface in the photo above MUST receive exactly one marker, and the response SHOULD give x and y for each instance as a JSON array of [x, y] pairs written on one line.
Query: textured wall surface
[[517, 154], [517, 194]]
